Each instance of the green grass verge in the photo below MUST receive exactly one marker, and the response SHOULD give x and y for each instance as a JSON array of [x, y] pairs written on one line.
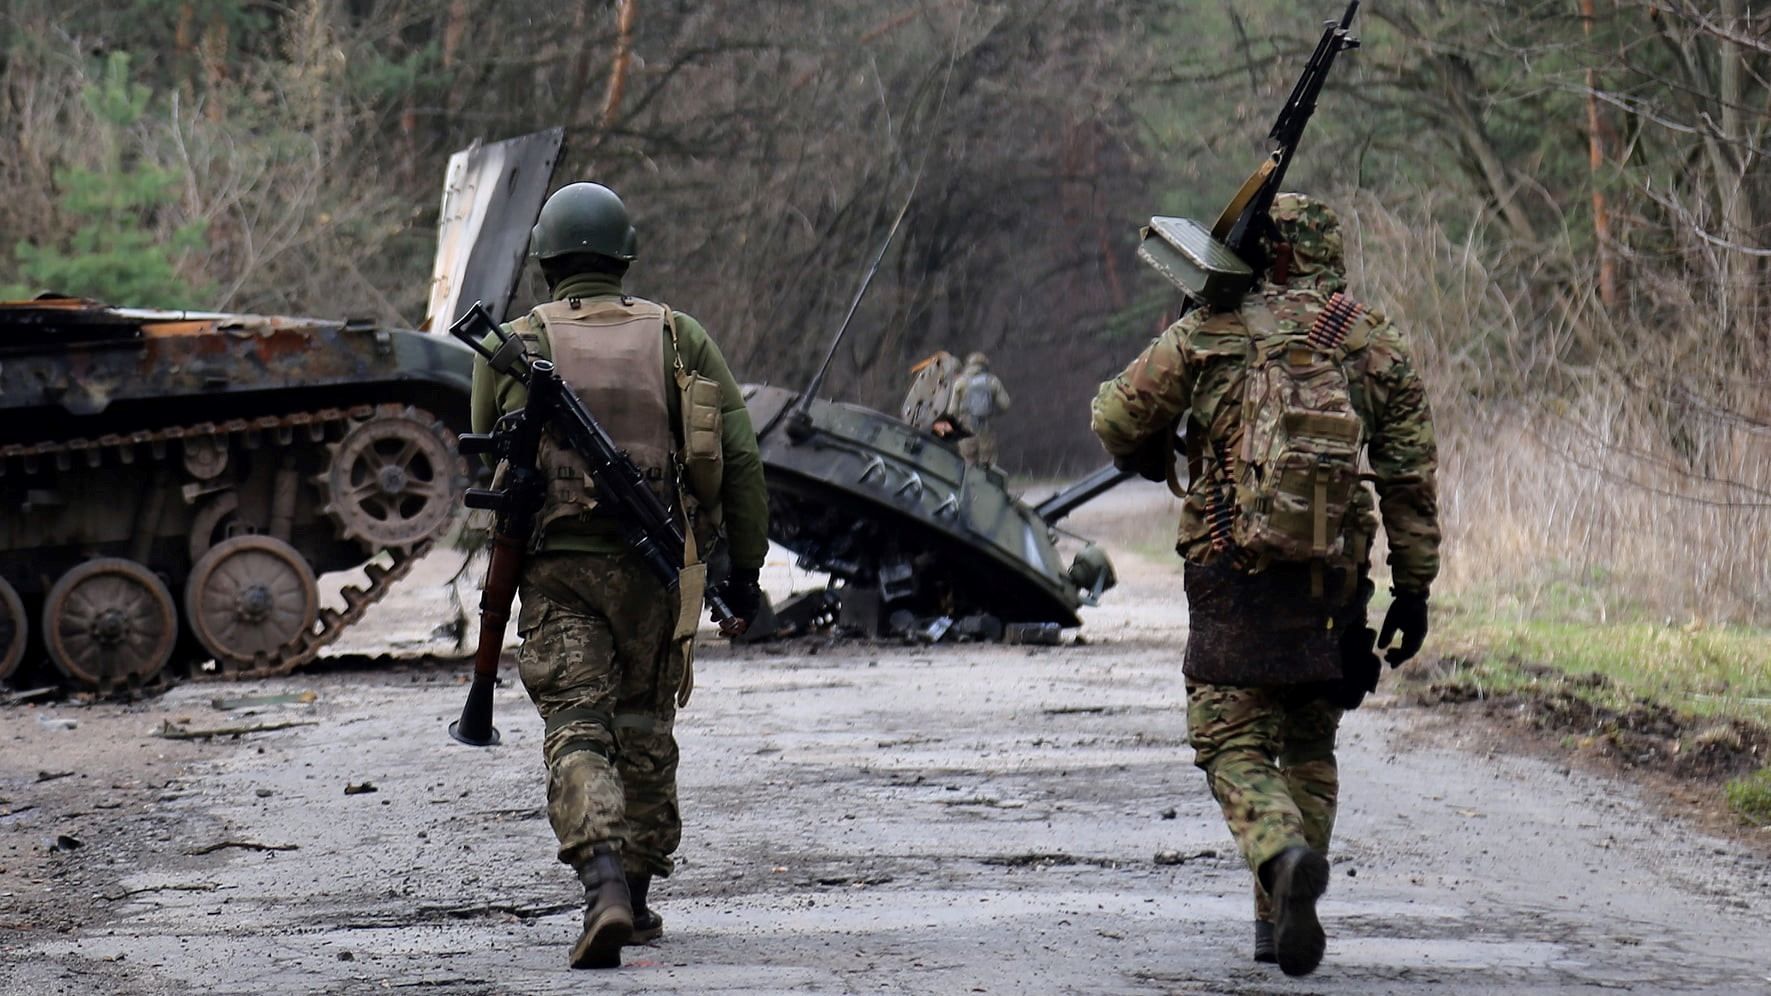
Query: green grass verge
[[1719, 672], [1751, 797], [1715, 682]]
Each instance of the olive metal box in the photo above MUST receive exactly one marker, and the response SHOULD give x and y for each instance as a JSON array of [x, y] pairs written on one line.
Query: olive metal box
[[1184, 251]]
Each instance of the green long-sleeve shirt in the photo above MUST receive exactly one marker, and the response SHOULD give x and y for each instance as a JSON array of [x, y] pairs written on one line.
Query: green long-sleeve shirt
[[743, 495]]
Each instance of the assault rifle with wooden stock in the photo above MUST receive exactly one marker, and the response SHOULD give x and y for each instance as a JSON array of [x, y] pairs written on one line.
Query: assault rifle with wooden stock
[[648, 527], [1217, 267]]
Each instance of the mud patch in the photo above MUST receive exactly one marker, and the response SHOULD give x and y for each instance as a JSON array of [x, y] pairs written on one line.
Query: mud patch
[[1666, 749]]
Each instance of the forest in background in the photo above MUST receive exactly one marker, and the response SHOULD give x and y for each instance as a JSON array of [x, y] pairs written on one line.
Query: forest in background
[[1563, 201]]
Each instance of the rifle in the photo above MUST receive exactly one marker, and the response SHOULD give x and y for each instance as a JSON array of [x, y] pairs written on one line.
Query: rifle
[[1195, 258], [646, 524]]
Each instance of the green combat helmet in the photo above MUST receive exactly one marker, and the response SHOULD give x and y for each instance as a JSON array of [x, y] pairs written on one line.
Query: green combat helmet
[[1314, 233], [584, 217]]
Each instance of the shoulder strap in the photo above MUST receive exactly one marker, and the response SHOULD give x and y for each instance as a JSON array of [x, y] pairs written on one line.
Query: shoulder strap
[[676, 349]]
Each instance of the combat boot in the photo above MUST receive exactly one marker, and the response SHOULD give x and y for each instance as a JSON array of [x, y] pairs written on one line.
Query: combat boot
[[1296, 879], [1263, 943], [647, 925], [608, 912]]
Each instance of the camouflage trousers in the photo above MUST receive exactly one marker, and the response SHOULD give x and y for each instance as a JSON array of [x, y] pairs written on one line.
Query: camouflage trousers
[[599, 663], [980, 447], [1268, 752]]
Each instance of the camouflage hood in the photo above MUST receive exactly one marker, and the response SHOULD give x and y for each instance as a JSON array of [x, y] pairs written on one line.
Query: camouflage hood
[[1318, 257]]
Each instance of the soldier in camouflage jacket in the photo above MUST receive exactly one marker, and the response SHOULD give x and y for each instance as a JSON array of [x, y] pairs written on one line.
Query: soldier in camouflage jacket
[[1274, 653]]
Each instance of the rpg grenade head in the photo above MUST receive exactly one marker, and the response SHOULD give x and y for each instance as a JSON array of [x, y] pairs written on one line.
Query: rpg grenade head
[[584, 218]]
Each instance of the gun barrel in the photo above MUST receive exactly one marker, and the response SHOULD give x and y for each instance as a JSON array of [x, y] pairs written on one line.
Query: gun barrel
[[1073, 496]]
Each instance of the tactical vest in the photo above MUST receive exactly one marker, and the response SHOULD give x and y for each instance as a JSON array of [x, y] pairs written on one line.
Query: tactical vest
[[611, 350]]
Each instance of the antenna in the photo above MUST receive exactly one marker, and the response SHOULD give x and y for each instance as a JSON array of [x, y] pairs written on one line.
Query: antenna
[[806, 396]]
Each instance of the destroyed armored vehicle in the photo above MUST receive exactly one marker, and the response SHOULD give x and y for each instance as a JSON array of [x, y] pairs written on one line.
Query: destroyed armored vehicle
[[909, 529], [914, 539], [172, 483]]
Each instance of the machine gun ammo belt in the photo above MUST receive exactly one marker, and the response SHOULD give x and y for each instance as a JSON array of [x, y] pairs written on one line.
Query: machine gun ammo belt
[[1335, 321]]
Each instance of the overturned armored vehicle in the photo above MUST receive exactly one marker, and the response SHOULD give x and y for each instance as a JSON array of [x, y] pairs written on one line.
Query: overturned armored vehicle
[[910, 529]]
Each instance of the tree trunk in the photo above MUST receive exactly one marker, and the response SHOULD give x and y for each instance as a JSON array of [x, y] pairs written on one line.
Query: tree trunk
[[624, 17], [1739, 277], [1597, 156]]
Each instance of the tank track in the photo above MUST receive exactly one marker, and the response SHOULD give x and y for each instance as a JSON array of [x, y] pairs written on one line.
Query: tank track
[[317, 426]]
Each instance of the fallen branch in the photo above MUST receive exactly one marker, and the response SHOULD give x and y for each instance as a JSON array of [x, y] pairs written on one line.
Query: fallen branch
[[173, 732], [193, 887], [244, 845]]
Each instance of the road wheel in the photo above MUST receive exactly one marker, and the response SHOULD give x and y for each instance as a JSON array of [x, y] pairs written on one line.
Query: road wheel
[[394, 481], [109, 622], [12, 630], [249, 598]]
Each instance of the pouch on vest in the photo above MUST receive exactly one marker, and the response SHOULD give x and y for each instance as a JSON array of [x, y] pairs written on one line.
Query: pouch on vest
[[1297, 466], [691, 589], [611, 352], [703, 438]]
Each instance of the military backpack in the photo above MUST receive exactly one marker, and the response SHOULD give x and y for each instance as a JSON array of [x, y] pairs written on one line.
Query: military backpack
[[1292, 467]]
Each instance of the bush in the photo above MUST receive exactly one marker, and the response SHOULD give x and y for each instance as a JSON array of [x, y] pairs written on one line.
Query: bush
[[114, 252]]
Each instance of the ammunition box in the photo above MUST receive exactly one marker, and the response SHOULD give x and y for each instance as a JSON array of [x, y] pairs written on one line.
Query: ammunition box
[[1184, 251]]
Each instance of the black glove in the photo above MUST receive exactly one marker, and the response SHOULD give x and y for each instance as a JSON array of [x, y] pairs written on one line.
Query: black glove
[[1359, 666], [1150, 460], [1408, 616], [742, 594]]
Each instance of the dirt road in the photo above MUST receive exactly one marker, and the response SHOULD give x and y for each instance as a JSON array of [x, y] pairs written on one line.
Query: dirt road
[[859, 819]]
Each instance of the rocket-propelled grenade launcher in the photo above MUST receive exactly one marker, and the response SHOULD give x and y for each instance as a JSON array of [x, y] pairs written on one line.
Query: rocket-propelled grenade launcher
[[646, 524], [1217, 266]]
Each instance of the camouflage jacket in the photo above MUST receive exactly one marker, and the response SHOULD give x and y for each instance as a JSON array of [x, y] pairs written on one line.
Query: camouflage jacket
[[1191, 368]]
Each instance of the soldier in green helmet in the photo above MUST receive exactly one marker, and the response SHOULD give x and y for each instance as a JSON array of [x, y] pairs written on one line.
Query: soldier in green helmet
[[1282, 397], [606, 654]]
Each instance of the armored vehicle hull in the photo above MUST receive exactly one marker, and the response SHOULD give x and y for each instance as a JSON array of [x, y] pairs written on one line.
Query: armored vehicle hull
[[905, 523], [171, 483]]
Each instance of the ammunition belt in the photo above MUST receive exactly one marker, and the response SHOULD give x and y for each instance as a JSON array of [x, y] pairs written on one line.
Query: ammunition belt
[[1220, 512], [1334, 322], [317, 426]]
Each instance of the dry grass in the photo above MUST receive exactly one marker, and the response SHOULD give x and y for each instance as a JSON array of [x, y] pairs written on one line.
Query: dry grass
[[1630, 483]]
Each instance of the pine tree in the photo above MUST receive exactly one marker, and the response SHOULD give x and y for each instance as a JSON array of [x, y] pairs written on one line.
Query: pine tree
[[113, 252]]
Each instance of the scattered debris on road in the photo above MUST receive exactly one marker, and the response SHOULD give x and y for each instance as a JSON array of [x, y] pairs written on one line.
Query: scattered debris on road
[[244, 845], [172, 887], [171, 730], [257, 701], [1177, 858]]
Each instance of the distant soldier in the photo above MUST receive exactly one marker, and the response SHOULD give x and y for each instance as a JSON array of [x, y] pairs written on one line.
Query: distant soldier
[[978, 397], [605, 655], [1281, 399]]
